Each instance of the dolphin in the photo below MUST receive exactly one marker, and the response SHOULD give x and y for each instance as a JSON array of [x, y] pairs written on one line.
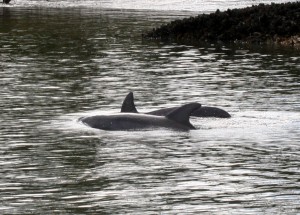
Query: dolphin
[[177, 119], [128, 106]]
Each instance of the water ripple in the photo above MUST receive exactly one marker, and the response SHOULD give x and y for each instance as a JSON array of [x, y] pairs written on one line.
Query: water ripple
[[74, 62]]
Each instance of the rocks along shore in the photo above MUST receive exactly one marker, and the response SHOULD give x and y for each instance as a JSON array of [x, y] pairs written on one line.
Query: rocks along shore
[[274, 23]]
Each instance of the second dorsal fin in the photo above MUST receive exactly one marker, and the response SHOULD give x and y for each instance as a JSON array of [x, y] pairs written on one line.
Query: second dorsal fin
[[128, 104], [182, 114]]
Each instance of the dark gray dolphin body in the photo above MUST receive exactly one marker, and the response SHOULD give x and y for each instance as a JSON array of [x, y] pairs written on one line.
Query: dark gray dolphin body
[[178, 119], [128, 106], [200, 112]]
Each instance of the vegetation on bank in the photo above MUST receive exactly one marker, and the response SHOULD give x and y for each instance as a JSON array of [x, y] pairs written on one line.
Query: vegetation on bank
[[279, 23]]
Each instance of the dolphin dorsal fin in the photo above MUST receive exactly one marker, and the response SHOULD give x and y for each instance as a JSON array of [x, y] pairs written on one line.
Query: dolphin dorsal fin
[[128, 104], [182, 114]]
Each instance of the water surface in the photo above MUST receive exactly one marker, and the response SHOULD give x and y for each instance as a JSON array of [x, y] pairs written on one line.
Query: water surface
[[58, 64], [153, 5]]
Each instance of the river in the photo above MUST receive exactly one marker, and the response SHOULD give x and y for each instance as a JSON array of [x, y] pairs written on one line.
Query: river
[[61, 60]]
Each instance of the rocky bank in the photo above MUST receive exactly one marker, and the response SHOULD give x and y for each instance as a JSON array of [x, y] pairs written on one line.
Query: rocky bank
[[275, 23]]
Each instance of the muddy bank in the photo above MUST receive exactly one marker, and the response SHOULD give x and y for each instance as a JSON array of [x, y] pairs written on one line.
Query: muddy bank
[[275, 23]]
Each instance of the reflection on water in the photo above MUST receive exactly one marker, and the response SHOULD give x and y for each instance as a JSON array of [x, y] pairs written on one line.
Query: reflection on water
[[58, 65]]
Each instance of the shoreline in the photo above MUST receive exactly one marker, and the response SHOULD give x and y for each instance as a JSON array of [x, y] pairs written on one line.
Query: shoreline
[[271, 24]]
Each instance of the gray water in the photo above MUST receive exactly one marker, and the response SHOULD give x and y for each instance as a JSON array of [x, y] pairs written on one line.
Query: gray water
[[61, 63]]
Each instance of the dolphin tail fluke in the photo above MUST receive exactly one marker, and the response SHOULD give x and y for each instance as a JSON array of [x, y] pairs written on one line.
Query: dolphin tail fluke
[[182, 114], [128, 104]]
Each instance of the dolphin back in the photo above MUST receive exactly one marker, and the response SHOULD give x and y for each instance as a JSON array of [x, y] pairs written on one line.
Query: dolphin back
[[211, 112], [128, 106], [203, 111]]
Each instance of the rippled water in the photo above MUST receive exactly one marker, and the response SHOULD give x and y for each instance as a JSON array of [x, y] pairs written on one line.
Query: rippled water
[[58, 64], [167, 5]]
